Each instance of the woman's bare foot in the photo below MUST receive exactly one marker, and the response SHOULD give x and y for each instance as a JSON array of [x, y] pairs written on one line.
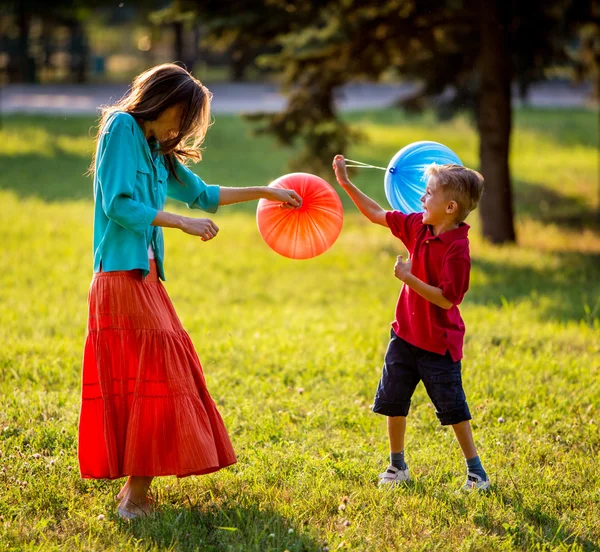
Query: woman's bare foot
[[130, 510], [134, 498], [123, 489]]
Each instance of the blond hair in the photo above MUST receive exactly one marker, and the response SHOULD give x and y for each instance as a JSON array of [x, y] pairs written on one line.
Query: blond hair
[[154, 91], [460, 184]]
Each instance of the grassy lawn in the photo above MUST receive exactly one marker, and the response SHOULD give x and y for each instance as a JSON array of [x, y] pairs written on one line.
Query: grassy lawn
[[292, 353]]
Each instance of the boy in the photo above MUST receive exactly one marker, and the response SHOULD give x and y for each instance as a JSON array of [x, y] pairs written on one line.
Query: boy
[[428, 331]]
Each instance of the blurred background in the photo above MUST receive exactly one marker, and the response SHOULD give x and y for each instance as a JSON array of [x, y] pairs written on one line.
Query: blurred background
[[90, 41], [292, 349], [294, 66], [96, 42]]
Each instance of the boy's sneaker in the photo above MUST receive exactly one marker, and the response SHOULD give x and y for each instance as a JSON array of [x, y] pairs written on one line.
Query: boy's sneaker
[[475, 482], [393, 476]]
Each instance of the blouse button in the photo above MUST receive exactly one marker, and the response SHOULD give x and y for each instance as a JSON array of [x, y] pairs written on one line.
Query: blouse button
[[426, 241]]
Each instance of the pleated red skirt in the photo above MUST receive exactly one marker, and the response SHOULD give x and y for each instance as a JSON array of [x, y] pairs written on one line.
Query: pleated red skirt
[[145, 407]]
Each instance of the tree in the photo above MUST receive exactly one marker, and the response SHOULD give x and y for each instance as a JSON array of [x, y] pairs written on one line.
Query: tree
[[181, 17], [22, 65], [494, 121], [476, 48], [587, 58]]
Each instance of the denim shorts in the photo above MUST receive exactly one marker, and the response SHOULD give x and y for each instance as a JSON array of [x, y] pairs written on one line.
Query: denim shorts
[[405, 366]]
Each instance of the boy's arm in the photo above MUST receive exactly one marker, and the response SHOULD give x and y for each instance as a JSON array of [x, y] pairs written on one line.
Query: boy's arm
[[431, 293], [369, 208]]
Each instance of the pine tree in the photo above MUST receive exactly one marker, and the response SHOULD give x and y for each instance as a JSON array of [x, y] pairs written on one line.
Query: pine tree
[[478, 48]]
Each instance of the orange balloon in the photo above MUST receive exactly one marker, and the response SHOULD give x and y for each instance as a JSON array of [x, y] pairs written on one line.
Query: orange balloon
[[305, 232]]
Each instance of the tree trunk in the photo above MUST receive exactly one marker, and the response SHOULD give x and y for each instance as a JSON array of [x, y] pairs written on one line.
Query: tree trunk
[[494, 120], [597, 100], [78, 52], [179, 46], [237, 67], [26, 64], [191, 52]]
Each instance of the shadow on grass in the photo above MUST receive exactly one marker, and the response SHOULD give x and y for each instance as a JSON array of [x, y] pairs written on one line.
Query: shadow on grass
[[233, 157], [49, 178], [568, 127], [564, 127], [568, 292], [535, 529], [551, 207], [48, 157], [246, 527], [532, 527], [63, 177]]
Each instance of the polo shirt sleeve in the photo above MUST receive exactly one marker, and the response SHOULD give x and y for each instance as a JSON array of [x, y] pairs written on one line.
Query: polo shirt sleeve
[[404, 226], [192, 190], [456, 270], [116, 176]]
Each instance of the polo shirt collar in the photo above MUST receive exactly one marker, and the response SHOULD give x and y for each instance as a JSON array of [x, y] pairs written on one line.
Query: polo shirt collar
[[448, 237]]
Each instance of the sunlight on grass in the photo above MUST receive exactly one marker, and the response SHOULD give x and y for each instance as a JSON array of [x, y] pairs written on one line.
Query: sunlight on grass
[[75, 145], [26, 141], [36, 141], [536, 157], [292, 352]]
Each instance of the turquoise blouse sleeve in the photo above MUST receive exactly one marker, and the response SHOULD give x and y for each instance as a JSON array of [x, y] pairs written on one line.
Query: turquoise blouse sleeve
[[116, 174], [193, 192]]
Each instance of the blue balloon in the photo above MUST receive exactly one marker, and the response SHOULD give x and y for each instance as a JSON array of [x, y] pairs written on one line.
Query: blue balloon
[[405, 181]]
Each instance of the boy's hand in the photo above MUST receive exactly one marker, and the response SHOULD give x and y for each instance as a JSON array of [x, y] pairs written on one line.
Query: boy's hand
[[339, 166], [369, 208], [402, 268]]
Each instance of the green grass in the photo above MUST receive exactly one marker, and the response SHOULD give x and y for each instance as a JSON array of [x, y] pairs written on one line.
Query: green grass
[[292, 353]]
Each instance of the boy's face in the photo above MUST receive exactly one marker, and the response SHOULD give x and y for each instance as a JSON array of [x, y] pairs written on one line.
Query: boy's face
[[436, 207]]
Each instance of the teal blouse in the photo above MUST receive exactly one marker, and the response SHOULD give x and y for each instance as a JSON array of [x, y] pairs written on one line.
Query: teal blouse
[[131, 185]]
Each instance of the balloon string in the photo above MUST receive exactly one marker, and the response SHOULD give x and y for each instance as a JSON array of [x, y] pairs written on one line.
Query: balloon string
[[361, 165]]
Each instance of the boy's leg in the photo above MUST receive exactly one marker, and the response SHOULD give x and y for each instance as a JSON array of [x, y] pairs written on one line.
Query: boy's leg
[[464, 436], [443, 382], [399, 378], [396, 387], [396, 430], [476, 475]]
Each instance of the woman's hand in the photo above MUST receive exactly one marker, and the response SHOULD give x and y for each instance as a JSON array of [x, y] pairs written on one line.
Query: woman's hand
[[289, 199], [206, 229]]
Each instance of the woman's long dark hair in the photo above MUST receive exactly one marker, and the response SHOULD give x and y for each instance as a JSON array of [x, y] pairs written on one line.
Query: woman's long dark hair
[[157, 89]]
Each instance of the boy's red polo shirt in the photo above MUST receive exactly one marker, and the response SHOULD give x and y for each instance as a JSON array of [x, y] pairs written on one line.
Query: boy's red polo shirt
[[442, 261]]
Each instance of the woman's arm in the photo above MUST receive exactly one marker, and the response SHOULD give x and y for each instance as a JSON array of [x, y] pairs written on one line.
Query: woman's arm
[[289, 198], [205, 228], [116, 174], [193, 191]]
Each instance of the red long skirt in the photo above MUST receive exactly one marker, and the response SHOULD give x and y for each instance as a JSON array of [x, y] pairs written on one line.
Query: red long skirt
[[145, 408]]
